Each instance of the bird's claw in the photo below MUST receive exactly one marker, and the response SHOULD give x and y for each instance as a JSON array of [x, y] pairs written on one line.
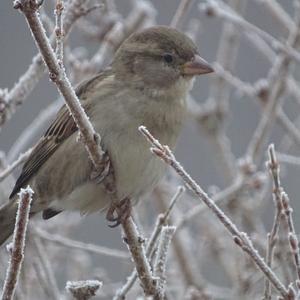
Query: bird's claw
[[118, 212], [98, 176]]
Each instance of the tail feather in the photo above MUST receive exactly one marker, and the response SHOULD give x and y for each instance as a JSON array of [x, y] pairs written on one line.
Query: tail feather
[[7, 220]]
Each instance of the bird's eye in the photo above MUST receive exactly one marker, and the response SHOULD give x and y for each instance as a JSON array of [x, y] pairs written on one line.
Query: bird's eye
[[168, 58]]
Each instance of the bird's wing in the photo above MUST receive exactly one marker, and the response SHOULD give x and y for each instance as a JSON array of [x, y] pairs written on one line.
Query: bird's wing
[[62, 127]]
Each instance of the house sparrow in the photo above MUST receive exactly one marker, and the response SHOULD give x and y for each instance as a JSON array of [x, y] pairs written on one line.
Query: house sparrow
[[146, 84]]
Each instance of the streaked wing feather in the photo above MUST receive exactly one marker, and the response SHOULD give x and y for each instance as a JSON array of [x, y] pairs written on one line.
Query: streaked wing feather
[[39, 155], [62, 127]]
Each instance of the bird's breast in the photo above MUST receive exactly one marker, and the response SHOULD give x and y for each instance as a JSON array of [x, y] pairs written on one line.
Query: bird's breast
[[136, 169]]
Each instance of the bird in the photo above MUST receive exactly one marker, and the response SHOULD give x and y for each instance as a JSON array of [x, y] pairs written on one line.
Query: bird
[[147, 83]]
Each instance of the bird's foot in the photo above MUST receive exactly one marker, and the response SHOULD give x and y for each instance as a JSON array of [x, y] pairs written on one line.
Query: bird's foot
[[98, 175], [105, 176], [119, 212]]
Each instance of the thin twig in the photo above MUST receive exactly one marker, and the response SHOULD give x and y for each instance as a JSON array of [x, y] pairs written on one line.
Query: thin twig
[[277, 82], [270, 55], [27, 82], [161, 256], [46, 266], [219, 93], [27, 136], [279, 13], [47, 21], [59, 7], [181, 241], [289, 126], [141, 13], [288, 159], [9, 169], [18, 244], [90, 138], [282, 207], [273, 167], [182, 10], [220, 9], [160, 222], [221, 196], [259, 90], [292, 235], [240, 238], [66, 242], [135, 245]]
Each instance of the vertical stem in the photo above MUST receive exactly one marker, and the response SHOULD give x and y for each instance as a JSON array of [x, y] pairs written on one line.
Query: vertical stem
[[18, 244]]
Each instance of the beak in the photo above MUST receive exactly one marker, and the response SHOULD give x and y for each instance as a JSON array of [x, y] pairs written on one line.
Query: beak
[[197, 66]]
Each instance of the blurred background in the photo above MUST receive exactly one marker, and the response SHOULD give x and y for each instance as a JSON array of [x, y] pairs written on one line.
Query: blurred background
[[196, 150]]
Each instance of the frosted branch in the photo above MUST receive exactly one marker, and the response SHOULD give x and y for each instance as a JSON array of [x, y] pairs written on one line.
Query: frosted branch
[[59, 33], [277, 76], [18, 244], [83, 290], [227, 193], [160, 222], [135, 245], [292, 235], [260, 89], [27, 82], [288, 159], [57, 74], [182, 10], [30, 132], [273, 167], [220, 9], [240, 238], [141, 14], [279, 13], [22, 157], [69, 243], [46, 266], [167, 233]]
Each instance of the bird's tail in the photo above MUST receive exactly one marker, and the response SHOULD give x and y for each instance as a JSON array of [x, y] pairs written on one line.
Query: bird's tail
[[7, 220]]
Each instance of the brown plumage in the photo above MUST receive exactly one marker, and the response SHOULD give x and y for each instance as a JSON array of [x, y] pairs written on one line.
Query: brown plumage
[[146, 84]]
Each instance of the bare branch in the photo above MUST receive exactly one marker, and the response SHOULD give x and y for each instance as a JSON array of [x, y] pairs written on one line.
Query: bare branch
[[27, 82], [161, 256], [47, 268], [136, 248], [279, 13], [240, 238], [160, 222], [273, 167], [31, 132], [83, 290], [288, 159], [66, 242], [277, 82], [260, 89], [182, 10], [59, 7], [227, 193], [220, 9], [18, 244], [22, 157], [292, 235], [90, 138]]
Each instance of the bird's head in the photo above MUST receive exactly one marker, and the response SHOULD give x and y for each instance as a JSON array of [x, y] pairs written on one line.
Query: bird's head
[[159, 59]]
